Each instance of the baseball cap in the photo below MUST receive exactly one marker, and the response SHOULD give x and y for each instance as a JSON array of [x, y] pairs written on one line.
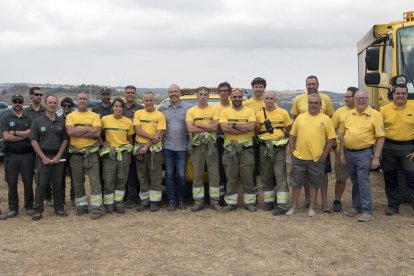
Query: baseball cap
[[17, 96], [105, 90]]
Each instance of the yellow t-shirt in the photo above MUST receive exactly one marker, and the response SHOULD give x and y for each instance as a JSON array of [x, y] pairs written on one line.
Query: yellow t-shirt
[[312, 133], [338, 118], [300, 104], [220, 107], [398, 121], [254, 104], [202, 115], [278, 117], [242, 116], [150, 122], [117, 130], [83, 120], [362, 129]]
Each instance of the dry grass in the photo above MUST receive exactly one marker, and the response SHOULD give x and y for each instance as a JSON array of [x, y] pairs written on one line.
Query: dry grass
[[185, 243]]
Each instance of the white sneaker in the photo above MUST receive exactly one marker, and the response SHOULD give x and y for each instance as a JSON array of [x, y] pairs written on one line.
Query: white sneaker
[[311, 213], [291, 212]]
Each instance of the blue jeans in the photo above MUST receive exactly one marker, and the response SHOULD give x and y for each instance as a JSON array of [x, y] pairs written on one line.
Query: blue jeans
[[175, 162]]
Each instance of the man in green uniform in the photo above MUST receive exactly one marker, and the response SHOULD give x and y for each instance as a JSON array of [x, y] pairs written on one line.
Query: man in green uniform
[[49, 140], [19, 157], [132, 186]]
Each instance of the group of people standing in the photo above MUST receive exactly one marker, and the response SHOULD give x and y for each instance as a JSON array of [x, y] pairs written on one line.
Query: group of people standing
[[120, 143]]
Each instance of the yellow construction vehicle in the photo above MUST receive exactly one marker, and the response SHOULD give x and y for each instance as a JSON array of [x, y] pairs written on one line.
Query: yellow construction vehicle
[[385, 58]]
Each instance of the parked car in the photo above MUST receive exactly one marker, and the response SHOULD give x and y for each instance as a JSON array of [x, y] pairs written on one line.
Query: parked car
[[4, 108]]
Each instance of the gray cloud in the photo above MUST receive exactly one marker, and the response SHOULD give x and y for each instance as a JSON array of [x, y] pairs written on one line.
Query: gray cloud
[[140, 41]]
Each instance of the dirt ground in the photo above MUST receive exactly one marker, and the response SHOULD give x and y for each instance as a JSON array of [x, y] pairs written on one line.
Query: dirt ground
[[207, 242]]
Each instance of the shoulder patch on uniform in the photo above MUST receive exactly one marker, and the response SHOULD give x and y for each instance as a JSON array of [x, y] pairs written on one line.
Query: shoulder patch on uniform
[[43, 128]]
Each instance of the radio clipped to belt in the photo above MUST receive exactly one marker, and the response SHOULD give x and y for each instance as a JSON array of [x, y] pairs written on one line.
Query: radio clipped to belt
[[281, 142]]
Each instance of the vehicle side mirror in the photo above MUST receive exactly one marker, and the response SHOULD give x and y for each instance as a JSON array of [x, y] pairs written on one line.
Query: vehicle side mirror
[[372, 59], [372, 78]]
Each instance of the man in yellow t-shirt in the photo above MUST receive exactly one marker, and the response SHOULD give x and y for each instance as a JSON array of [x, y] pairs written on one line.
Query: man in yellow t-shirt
[[84, 127], [397, 153], [341, 173], [299, 106], [202, 123], [362, 139], [273, 127], [116, 156], [238, 123], [149, 127], [224, 90], [256, 103], [311, 140]]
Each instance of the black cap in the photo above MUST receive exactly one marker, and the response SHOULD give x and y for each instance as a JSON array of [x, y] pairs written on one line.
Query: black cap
[[105, 90], [17, 96]]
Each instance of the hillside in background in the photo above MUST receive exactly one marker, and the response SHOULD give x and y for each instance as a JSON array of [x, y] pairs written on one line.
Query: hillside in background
[[285, 98]]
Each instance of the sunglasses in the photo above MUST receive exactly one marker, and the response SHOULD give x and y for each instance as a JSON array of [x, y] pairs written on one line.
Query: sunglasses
[[37, 94], [67, 105], [17, 101]]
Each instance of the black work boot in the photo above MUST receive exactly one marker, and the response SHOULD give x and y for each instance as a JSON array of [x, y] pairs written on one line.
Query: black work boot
[[197, 207]]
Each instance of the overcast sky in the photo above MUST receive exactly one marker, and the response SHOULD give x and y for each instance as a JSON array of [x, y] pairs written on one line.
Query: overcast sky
[[153, 43]]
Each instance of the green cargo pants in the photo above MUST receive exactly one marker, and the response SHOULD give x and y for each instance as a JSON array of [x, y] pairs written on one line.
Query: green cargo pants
[[240, 165], [80, 168], [274, 165], [200, 157], [44, 175], [149, 168], [115, 174]]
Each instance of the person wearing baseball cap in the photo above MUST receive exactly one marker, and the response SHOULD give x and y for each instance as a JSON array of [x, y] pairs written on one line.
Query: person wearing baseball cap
[[105, 108], [15, 127]]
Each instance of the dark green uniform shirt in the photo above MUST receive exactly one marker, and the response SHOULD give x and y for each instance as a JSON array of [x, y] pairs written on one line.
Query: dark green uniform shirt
[[49, 134], [102, 111], [32, 113], [10, 122], [130, 111]]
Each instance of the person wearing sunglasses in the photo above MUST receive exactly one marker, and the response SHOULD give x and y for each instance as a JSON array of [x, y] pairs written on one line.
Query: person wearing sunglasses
[[19, 159], [35, 109], [67, 105]]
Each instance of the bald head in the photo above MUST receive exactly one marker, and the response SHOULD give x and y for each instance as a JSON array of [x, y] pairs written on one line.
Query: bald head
[[270, 100]]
